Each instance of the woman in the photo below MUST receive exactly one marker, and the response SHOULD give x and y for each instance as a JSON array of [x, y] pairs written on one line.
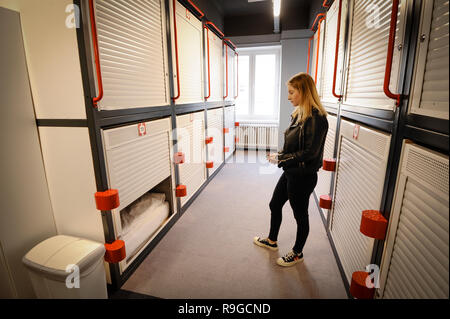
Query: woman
[[300, 159]]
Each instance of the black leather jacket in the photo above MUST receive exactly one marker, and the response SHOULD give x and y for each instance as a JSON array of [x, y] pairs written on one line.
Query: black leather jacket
[[304, 143]]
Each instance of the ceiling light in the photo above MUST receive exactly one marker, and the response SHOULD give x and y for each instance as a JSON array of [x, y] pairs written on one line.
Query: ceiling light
[[276, 8]]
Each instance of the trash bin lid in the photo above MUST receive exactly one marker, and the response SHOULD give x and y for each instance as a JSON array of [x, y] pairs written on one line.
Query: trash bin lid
[[54, 255]]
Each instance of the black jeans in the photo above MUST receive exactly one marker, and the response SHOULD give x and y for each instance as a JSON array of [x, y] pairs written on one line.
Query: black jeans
[[297, 189]]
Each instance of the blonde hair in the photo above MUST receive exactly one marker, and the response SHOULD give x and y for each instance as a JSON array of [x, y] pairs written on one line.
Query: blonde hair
[[304, 83]]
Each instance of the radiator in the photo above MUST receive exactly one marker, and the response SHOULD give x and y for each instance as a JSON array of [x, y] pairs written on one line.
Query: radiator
[[257, 136]]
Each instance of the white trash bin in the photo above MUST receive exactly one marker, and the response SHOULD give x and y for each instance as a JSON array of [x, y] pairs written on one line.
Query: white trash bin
[[66, 267]]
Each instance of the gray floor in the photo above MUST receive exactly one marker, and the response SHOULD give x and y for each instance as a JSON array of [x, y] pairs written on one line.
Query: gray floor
[[209, 252]]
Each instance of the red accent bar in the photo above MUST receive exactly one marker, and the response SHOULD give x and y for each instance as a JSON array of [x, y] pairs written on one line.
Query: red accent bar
[[107, 200], [176, 49], [336, 53], [236, 123], [317, 17], [97, 99], [309, 53], [226, 130], [237, 75], [209, 140], [215, 28], [115, 252], [373, 224], [325, 202], [209, 164], [226, 149], [226, 67], [209, 71], [390, 54], [181, 191], [358, 286], [236, 139], [318, 45], [324, 4], [196, 8], [329, 164]]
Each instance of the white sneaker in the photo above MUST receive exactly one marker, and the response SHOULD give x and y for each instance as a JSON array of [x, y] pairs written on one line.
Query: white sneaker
[[264, 242], [290, 259]]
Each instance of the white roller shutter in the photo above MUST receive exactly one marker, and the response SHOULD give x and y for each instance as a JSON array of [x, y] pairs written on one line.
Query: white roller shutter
[[190, 58], [132, 49], [216, 68], [229, 124], [331, 135], [370, 24], [430, 90], [215, 130], [191, 141], [231, 75], [324, 177], [359, 181], [136, 162], [415, 262], [318, 54], [329, 53]]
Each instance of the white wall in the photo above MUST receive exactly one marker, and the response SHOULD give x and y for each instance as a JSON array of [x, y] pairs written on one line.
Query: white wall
[[47, 64], [51, 51], [294, 58], [26, 216]]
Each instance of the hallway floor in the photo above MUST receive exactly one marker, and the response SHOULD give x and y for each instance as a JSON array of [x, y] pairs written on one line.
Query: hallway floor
[[209, 253]]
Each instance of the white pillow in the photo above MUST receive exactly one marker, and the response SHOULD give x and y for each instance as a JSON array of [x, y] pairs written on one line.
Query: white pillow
[[147, 202]]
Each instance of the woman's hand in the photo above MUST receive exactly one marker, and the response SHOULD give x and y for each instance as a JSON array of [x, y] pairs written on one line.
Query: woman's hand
[[272, 158]]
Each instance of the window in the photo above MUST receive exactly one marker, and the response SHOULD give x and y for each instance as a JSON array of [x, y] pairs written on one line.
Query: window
[[259, 84]]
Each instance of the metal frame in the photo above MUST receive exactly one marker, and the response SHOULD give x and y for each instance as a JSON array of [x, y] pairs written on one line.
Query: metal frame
[[94, 130], [62, 122], [192, 8], [428, 123], [338, 125], [423, 130], [333, 248], [98, 120]]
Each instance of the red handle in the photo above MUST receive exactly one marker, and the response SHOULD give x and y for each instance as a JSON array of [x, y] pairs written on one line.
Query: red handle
[[196, 8], [97, 99], [309, 53], [237, 75], [226, 66], [336, 53], [209, 72], [318, 45], [390, 54], [209, 23], [176, 49]]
